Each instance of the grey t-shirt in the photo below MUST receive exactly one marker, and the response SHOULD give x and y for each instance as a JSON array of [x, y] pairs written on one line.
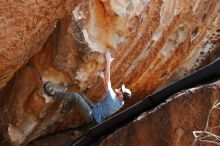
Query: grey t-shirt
[[107, 106]]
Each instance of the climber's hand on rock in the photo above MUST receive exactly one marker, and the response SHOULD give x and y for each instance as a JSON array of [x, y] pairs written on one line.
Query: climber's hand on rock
[[108, 56], [101, 74]]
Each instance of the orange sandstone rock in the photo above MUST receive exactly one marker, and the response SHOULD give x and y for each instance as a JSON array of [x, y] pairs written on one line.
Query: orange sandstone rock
[[153, 42], [172, 123], [24, 28]]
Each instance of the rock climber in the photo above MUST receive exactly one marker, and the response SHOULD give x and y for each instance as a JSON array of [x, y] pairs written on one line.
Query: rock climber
[[108, 105]]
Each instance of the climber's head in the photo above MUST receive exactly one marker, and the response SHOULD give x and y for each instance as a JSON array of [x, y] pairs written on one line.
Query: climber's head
[[123, 93]]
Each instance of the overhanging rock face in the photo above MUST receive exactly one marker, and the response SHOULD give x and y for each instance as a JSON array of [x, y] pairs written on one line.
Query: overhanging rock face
[[153, 42], [24, 28], [173, 123]]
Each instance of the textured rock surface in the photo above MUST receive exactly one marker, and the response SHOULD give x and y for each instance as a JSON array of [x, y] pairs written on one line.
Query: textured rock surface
[[24, 28], [155, 39], [173, 123], [154, 42]]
